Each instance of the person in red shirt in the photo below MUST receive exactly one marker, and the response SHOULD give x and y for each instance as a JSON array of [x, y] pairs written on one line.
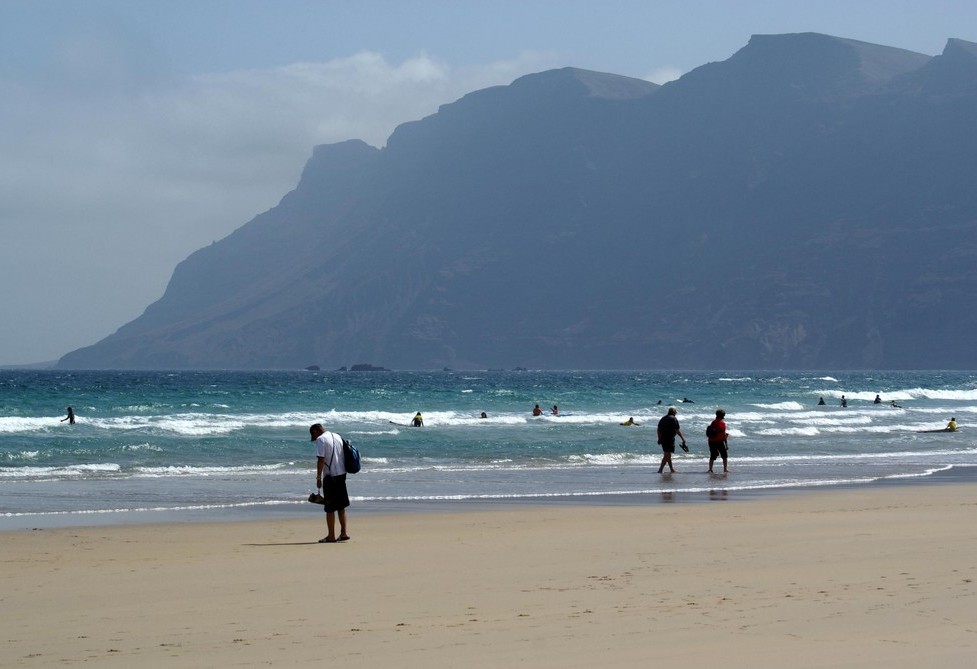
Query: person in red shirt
[[718, 441]]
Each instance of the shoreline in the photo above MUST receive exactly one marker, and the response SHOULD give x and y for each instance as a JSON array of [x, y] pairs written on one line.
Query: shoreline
[[299, 510], [873, 576]]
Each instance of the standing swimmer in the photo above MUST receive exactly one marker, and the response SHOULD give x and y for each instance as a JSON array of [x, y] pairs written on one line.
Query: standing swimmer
[[418, 420], [70, 417]]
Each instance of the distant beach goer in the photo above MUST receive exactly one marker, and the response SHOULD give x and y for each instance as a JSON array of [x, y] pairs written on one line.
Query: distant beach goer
[[686, 400], [555, 410], [668, 427], [878, 400], [844, 402], [658, 403], [537, 411], [893, 404], [718, 440], [330, 475], [70, 417], [418, 420], [821, 402], [629, 422], [484, 415], [952, 425]]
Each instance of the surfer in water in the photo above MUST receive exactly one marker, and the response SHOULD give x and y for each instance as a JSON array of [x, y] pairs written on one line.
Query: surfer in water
[[555, 410], [70, 417], [418, 420], [629, 422], [537, 411], [952, 425]]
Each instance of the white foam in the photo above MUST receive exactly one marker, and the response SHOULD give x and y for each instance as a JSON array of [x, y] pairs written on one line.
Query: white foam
[[790, 432], [613, 459], [10, 424], [782, 406], [70, 471], [187, 470]]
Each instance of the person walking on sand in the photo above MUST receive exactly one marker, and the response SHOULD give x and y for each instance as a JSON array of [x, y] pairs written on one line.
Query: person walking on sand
[[330, 475], [718, 441], [70, 417], [668, 427]]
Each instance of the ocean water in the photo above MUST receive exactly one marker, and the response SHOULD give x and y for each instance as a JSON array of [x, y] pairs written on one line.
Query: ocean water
[[153, 446]]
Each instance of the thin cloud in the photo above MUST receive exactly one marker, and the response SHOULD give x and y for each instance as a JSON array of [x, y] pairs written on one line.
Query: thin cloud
[[127, 178], [663, 75]]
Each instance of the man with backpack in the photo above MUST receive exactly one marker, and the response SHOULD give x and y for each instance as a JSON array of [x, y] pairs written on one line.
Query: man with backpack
[[718, 444], [330, 475]]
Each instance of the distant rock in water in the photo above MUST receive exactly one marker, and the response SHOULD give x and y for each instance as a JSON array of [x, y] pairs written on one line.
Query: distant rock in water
[[808, 203], [362, 367]]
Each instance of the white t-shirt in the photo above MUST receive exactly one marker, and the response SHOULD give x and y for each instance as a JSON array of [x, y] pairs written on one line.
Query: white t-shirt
[[329, 445]]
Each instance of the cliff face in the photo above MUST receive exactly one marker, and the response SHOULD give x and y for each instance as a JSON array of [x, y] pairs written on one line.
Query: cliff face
[[808, 203]]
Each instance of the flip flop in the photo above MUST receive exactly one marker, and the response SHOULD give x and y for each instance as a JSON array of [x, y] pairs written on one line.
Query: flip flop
[[346, 538], [327, 540]]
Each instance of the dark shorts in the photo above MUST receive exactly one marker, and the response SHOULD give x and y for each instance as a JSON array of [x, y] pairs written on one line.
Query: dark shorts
[[334, 491], [668, 446], [717, 449]]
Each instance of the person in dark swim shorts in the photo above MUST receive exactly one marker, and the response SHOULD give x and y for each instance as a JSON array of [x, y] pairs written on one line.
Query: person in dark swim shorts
[[718, 441], [668, 428]]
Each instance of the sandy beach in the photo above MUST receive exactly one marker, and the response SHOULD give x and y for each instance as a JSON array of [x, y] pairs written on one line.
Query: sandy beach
[[876, 577]]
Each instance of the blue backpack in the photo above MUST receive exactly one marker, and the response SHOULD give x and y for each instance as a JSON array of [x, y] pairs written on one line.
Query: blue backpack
[[351, 458]]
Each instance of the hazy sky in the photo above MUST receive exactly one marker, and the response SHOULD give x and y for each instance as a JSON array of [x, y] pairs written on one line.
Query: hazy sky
[[133, 132]]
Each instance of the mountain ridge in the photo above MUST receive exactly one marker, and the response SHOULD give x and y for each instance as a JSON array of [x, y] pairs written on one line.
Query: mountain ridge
[[790, 207]]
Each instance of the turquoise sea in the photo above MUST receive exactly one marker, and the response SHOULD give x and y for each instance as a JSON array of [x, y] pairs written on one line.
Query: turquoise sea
[[152, 446]]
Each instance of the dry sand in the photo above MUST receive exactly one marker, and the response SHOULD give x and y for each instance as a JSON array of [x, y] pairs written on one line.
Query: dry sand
[[877, 577]]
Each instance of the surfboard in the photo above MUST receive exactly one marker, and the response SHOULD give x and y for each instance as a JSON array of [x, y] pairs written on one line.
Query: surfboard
[[940, 430]]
